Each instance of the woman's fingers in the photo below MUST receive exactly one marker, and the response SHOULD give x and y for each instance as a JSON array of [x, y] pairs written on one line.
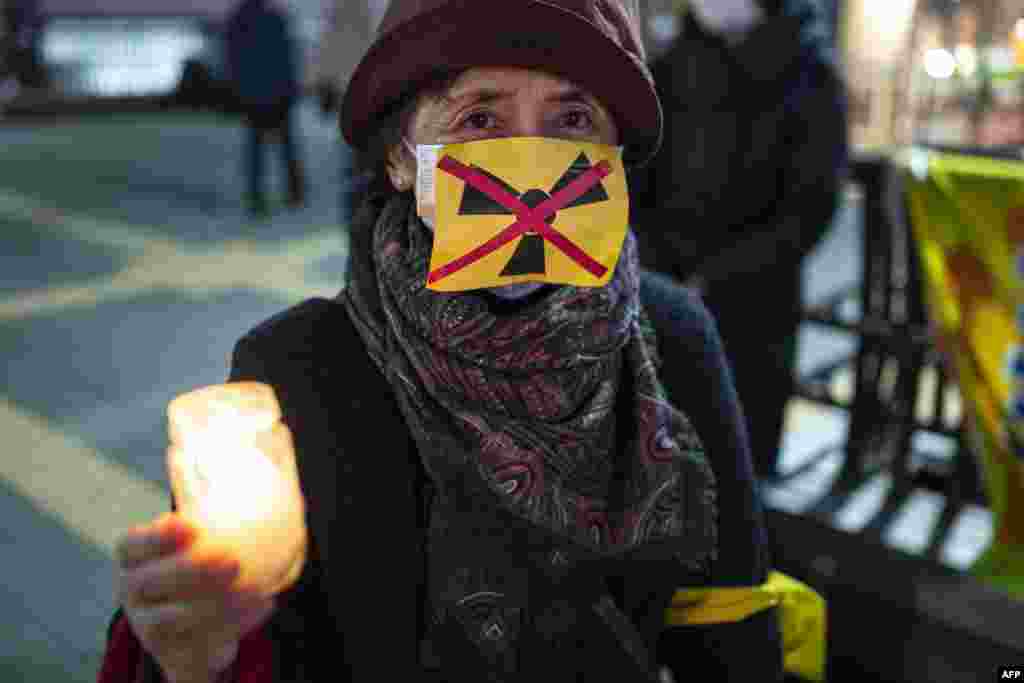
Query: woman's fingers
[[164, 536], [180, 625], [190, 639], [250, 614], [222, 657], [183, 576], [200, 664], [181, 595]]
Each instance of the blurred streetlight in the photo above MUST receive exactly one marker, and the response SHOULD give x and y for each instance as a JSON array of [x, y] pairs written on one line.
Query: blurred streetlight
[[939, 63]]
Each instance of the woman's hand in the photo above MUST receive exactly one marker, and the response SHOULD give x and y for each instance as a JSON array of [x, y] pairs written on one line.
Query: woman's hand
[[180, 597]]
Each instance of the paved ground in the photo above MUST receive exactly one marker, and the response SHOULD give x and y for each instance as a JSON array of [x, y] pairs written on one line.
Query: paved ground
[[102, 222], [127, 269]]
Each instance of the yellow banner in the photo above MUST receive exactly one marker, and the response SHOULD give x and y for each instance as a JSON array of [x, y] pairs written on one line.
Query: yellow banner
[[968, 218], [513, 210]]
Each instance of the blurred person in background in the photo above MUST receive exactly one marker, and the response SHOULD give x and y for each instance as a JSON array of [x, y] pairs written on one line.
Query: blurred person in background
[[746, 183], [347, 33], [503, 482], [20, 47], [263, 70], [9, 84]]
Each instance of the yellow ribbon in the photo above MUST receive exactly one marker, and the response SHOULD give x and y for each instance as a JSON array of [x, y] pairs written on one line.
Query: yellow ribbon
[[802, 616]]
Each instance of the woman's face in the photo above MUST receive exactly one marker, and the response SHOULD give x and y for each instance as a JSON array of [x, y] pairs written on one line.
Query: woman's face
[[486, 103]]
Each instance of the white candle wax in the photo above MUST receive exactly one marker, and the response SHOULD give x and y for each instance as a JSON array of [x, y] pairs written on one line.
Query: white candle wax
[[230, 481], [233, 472]]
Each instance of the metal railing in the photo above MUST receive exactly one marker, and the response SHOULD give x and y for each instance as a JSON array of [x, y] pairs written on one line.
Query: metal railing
[[890, 401]]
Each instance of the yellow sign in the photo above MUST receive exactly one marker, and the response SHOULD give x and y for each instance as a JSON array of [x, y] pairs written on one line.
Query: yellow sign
[[513, 210], [968, 218]]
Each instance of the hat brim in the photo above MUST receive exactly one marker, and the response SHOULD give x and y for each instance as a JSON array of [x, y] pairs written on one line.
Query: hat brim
[[535, 35]]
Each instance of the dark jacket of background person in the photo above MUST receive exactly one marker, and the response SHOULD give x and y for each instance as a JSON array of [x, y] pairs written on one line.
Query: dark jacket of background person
[[262, 57], [744, 186], [352, 616], [21, 43], [263, 72]]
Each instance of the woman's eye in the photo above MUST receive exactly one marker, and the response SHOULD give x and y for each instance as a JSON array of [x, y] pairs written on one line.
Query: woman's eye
[[577, 119], [479, 120]]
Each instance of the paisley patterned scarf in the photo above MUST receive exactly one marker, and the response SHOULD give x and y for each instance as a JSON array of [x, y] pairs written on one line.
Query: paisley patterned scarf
[[545, 433]]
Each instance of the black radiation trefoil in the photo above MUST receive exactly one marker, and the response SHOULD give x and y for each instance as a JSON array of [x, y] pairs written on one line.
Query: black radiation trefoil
[[528, 258], [526, 219]]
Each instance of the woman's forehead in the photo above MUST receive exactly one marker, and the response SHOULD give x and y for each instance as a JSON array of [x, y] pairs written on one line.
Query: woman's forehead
[[498, 83], [507, 79]]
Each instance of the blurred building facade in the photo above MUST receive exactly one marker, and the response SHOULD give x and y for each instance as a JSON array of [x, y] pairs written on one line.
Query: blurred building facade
[[124, 47], [140, 47], [935, 71], [349, 27], [944, 71], [938, 71]]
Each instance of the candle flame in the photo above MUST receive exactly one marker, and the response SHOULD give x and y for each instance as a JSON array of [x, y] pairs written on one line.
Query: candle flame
[[230, 480]]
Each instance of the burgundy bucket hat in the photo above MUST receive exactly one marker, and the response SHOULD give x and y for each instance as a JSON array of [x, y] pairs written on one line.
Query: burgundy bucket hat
[[596, 44]]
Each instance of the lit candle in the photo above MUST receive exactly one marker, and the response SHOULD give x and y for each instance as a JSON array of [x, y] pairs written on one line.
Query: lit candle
[[232, 468]]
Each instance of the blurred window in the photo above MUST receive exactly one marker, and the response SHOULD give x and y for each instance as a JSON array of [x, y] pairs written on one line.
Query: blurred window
[[948, 72], [104, 56]]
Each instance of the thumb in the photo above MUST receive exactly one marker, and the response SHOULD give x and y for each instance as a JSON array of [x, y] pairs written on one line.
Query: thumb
[[254, 614], [224, 656]]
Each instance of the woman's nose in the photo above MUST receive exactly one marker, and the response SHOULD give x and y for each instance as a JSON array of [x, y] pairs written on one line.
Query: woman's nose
[[526, 124]]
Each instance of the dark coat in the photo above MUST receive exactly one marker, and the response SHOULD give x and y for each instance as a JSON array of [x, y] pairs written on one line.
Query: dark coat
[[744, 187], [262, 59], [353, 614]]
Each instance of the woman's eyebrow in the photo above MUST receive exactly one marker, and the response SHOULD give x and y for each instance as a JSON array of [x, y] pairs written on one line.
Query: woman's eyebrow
[[486, 95], [572, 95], [483, 95]]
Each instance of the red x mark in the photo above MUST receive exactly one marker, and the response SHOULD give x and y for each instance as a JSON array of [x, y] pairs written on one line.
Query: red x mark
[[527, 219]]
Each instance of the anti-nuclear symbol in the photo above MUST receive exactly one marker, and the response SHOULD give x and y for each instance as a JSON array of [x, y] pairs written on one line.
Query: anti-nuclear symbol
[[528, 258]]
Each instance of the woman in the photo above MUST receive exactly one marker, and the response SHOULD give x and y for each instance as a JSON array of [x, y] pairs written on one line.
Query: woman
[[497, 486]]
